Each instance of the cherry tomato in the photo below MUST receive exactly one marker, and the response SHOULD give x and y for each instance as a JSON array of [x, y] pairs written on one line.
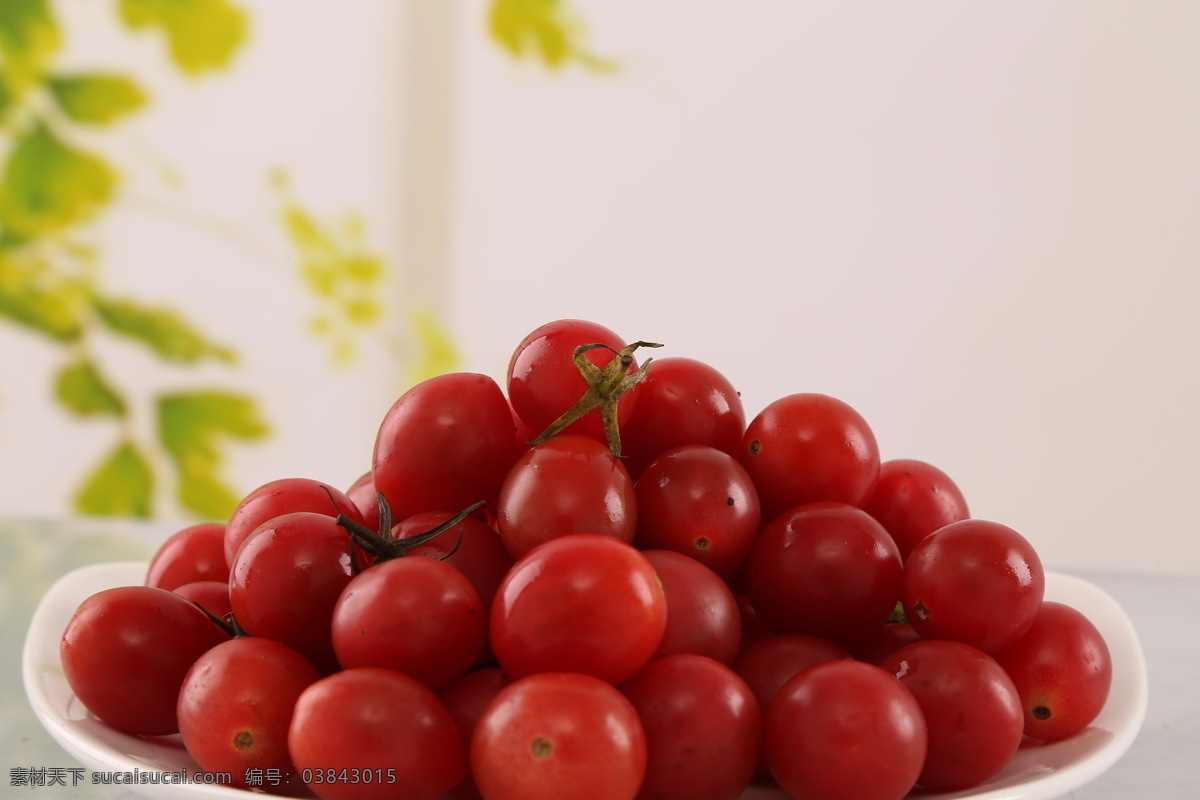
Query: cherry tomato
[[971, 707], [913, 499], [286, 580], [471, 547], [681, 401], [195, 553], [973, 581], [279, 497], [1062, 670], [126, 651], [543, 381], [844, 730], [877, 645], [808, 447], [581, 603], [418, 616], [374, 734], [702, 613], [557, 735], [466, 699], [212, 596], [364, 497], [445, 444], [826, 569], [769, 664], [236, 705], [565, 485], [703, 728], [699, 501]]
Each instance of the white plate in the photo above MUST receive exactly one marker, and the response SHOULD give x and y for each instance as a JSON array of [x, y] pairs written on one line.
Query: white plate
[[1037, 772]]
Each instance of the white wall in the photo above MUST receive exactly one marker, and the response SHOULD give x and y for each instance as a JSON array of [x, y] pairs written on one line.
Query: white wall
[[977, 223]]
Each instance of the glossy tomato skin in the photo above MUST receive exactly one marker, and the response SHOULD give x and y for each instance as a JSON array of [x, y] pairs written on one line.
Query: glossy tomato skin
[[471, 547], [973, 581], [445, 444], [769, 664], [845, 730], [283, 496], [809, 447], [286, 580], [556, 735], [913, 499], [236, 705], [414, 615], [682, 401], [126, 651], [543, 381], [565, 485], [702, 613], [699, 501], [1062, 670], [971, 708], [703, 728], [581, 603], [825, 569], [192, 554], [375, 734], [362, 494]]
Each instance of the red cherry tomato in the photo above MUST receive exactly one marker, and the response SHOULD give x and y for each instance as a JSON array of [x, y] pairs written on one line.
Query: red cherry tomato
[[699, 501], [236, 705], [418, 616], [364, 497], [973, 581], [565, 485], [557, 735], [286, 580], [544, 382], [375, 734], [681, 401], [1062, 670], [808, 447], [971, 708], [702, 613], [828, 570], [471, 547], [844, 730], [447, 443], [466, 699], [212, 596], [126, 651], [195, 553], [279, 497], [703, 728], [769, 664], [581, 603], [913, 499]]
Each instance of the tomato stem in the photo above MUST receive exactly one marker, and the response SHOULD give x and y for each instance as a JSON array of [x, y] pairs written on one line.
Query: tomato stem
[[383, 547], [604, 389]]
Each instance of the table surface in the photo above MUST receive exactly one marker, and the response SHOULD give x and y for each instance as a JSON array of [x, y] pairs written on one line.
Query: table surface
[[1164, 761]]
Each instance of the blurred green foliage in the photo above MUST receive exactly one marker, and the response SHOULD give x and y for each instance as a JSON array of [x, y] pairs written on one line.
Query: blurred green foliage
[[549, 30], [53, 189]]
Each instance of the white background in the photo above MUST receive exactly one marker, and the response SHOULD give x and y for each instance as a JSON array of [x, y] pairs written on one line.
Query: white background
[[976, 223]]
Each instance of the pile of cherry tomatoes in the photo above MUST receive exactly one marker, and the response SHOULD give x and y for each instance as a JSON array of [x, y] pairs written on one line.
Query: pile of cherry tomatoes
[[599, 581]]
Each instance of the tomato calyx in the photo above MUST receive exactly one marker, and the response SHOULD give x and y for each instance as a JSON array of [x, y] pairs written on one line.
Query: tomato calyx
[[605, 387], [380, 544]]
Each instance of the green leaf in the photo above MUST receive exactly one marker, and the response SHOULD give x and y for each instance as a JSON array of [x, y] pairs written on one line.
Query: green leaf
[[202, 35], [97, 99], [160, 329], [84, 392], [29, 36], [193, 428], [121, 486], [48, 185], [37, 297]]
